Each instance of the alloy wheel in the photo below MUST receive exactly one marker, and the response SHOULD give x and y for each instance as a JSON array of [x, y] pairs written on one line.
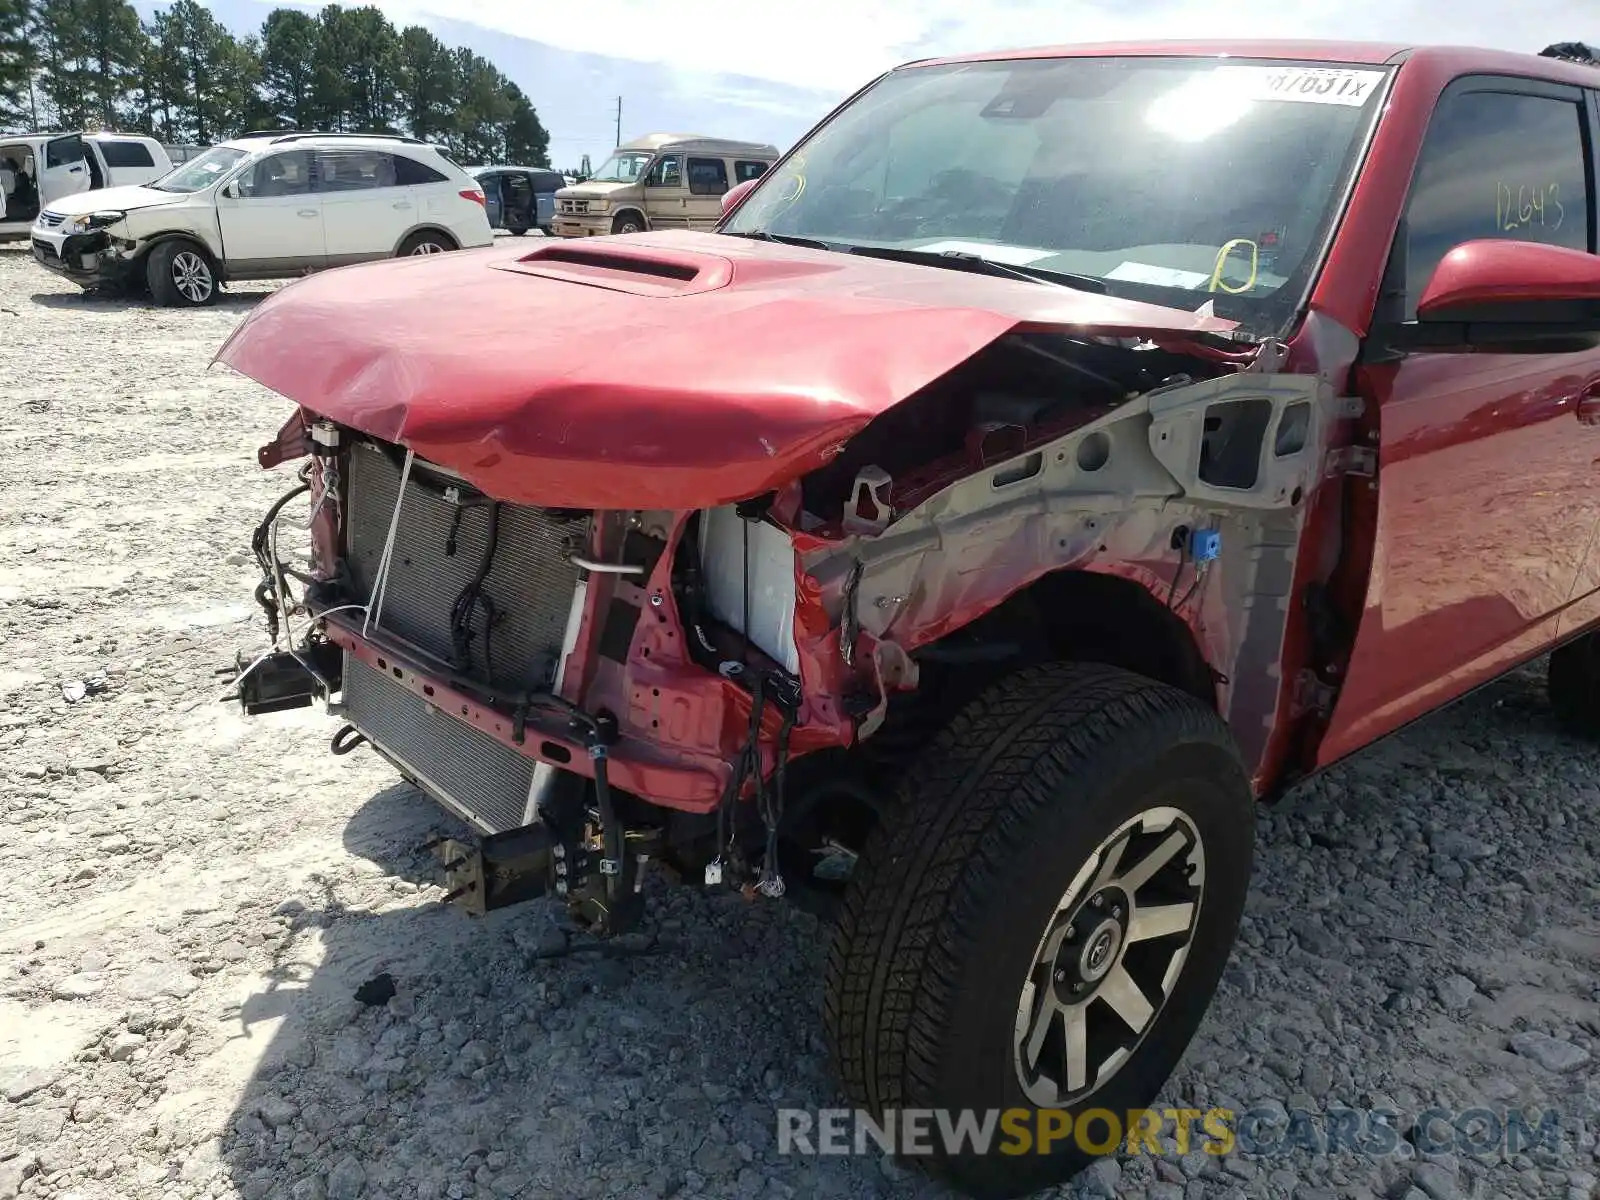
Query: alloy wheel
[[427, 248], [1110, 955], [191, 275]]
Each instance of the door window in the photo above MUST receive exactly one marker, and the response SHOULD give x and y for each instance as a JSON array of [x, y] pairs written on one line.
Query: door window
[[667, 172], [286, 174], [745, 170], [64, 151], [126, 154], [355, 170], [707, 177], [1496, 165]]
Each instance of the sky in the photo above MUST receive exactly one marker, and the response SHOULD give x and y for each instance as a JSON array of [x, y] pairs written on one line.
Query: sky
[[769, 69]]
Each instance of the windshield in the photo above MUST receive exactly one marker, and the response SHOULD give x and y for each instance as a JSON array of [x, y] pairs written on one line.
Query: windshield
[[201, 171], [1178, 181], [625, 166]]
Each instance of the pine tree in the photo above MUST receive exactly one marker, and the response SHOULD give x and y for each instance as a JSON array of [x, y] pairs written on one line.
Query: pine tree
[[288, 50], [17, 61], [183, 77], [58, 35], [161, 88], [372, 69], [330, 87], [199, 65], [110, 49], [527, 141], [427, 84]]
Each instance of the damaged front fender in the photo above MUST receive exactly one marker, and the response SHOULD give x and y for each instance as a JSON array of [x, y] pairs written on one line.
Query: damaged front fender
[[1237, 456]]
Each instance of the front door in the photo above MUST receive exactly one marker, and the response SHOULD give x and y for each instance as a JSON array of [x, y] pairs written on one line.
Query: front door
[[517, 195], [1488, 482], [65, 171], [489, 181], [666, 199], [274, 226], [708, 182]]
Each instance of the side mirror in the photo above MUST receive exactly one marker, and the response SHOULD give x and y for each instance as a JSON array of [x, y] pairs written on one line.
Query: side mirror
[[1511, 296], [231, 189], [731, 197]]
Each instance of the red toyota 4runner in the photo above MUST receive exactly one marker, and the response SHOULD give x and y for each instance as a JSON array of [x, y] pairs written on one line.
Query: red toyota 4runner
[[1054, 454]]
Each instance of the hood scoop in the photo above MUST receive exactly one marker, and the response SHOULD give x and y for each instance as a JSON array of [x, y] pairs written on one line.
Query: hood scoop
[[616, 265]]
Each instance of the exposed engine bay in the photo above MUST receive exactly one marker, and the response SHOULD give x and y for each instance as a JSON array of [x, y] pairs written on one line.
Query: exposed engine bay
[[730, 693]]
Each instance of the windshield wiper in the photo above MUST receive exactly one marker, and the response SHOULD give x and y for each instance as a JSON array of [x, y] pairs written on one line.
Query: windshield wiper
[[962, 260], [766, 235]]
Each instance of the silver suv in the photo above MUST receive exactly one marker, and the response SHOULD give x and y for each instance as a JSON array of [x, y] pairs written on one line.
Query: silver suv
[[264, 206]]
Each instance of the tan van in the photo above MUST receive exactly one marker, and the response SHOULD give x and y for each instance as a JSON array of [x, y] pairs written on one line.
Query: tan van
[[660, 181]]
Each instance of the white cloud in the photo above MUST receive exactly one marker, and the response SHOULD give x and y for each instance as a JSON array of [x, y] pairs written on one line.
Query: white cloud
[[837, 45]]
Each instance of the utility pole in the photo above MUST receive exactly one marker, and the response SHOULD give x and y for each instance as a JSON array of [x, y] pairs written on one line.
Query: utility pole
[[619, 121]]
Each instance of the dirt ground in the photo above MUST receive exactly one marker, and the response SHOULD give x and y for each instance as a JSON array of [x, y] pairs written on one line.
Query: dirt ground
[[192, 900]]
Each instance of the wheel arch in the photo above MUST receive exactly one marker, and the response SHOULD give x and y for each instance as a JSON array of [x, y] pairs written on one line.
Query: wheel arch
[[219, 265], [644, 219], [424, 227], [1096, 616], [1069, 615]]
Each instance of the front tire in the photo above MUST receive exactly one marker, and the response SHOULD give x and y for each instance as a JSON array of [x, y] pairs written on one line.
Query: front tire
[[180, 275], [627, 222], [1046, 921]]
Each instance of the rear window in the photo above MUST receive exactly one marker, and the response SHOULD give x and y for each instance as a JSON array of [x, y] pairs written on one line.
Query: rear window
[[745, 170], [126, 154], [63, 151]]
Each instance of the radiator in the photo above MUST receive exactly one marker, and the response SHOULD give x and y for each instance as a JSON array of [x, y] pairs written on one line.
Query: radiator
[[466, 770], [531, 583]]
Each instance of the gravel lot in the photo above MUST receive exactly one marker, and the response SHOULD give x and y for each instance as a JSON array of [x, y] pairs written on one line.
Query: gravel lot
[[193, 900]]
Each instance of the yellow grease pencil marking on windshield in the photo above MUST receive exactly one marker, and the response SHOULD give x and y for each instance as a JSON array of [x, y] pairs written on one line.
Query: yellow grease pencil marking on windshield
[[1217, 285]]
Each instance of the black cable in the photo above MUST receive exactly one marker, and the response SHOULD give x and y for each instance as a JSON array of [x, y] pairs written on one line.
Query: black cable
[[471, 598], [272, 593], [745, 658], [1183, 558], [1199, 577], [758, 708], [780, 770]]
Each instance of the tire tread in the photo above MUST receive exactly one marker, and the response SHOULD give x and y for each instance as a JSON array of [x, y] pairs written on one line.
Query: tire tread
[[907, 919]]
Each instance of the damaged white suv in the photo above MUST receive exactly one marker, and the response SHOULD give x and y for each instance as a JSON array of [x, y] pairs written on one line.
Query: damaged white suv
[[264, 206]]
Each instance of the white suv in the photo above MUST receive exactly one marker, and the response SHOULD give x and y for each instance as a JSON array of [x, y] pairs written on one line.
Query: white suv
[[265, 206]]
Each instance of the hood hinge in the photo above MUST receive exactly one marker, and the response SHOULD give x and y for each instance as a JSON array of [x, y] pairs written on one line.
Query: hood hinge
[[1269, 359], [1352, 460], [1312, 695]]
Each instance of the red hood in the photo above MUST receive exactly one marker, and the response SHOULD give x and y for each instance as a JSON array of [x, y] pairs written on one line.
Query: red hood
[[665, 370]]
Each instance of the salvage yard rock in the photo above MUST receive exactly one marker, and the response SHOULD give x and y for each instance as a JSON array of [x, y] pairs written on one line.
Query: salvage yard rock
[[197, 899], [1552, 1054]]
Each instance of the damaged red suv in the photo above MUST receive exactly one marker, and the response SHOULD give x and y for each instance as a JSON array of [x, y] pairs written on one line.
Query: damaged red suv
[[1055, 454]]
